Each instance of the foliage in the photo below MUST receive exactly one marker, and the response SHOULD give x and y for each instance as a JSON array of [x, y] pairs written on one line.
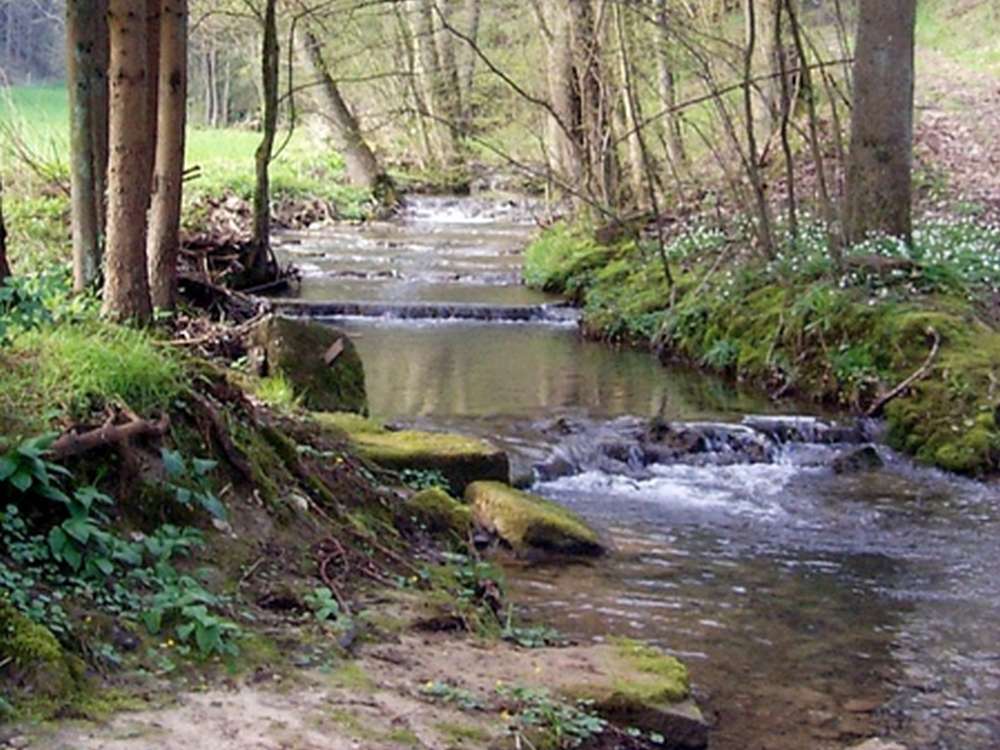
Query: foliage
[[323, 604], [565, 725], [80, 558], [464, 699], [190, 482], [424, 479]]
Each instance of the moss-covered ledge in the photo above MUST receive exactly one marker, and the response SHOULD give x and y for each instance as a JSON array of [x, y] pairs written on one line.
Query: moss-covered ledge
[[531, 524], [35, 668], [460, 459]]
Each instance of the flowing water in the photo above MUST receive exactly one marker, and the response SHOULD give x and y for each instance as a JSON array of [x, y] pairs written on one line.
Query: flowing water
[[814, 608]]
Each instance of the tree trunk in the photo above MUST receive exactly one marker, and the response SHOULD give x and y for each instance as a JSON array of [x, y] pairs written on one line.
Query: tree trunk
[[879, 168], [362, 167], [126, 283], [467, 73], [4, 265], [81, 60], [165, 210], [434, 81], [153, 13], [666, 79], [269, 123], [99, 111]]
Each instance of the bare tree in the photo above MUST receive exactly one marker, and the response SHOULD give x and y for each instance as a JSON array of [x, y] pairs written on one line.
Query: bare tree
[[270, 82]]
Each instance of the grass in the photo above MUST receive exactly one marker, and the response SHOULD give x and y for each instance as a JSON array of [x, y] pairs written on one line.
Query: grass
[[37, 206], [71, 370], [965, 32]]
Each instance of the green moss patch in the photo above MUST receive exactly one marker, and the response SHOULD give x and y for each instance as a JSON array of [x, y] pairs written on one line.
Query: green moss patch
[[530, 523], [34, 664], [461, 460], [440, 512]]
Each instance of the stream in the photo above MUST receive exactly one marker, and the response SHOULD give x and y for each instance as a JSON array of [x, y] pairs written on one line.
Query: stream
[[813, 608]]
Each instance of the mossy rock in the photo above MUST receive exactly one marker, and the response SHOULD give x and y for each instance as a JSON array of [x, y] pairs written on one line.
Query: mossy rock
[[531, 524], [38, 668], [440, 512], [636, 685], [460, 459], [303, 352]]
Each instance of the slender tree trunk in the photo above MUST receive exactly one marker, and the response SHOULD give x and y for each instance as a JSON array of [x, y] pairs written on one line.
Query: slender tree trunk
[[269, 117], [99, 111], [126, 281], [667, 81], [880, 164], [467, 73], [4, 265], [165, 210], [153, 15], [81, 41], [435, 83], [362, 167]]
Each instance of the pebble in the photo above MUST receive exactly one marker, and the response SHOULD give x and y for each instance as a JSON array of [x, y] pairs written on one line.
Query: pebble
[[877, 744]]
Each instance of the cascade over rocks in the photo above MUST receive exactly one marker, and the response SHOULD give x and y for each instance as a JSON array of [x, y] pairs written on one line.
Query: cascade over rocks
[[632, 447]]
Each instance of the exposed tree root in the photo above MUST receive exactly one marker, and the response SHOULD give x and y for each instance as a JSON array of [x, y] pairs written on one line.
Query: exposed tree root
[[77, 443]]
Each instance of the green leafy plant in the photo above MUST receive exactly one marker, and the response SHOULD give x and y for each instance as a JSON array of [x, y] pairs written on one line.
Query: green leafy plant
[[191, 483], [323, 604], [464, 699], [424, 479], [565, 725]]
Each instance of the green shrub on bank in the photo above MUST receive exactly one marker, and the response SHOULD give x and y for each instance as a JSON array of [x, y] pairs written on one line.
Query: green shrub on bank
[[795, 325]]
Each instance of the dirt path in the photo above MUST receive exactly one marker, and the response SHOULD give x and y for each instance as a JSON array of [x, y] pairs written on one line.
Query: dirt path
[[958, 137]]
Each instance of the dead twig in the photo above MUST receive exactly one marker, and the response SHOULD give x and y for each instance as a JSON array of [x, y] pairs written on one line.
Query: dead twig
[[900, 389]]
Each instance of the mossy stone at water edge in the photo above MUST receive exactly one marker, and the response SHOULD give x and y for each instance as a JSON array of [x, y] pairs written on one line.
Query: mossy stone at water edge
[[530, 523], [35, 665], [460, 459], [302, 351], [633, 684], [440, 512]]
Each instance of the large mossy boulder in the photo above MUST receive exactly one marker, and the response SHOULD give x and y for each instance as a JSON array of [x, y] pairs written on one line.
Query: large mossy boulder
[[319, 361], [633, 684], [531, 524], [36, 666], [460, 459]]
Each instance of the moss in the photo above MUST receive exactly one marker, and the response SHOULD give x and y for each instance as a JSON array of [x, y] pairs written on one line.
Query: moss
[[440, 512], [662, 677], [528, 522], [462, 460], [37, 666], [295, 352], [459, 733]]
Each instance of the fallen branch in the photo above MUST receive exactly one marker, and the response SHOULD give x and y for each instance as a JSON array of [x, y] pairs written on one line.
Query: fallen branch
[[76, 444], [876, 408]]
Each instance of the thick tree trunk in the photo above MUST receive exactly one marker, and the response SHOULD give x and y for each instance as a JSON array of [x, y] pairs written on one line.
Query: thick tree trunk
[[880, 164], [362, 167], [265, 151], [165, 209], [4, 265], [81, 43], [126, 283]]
